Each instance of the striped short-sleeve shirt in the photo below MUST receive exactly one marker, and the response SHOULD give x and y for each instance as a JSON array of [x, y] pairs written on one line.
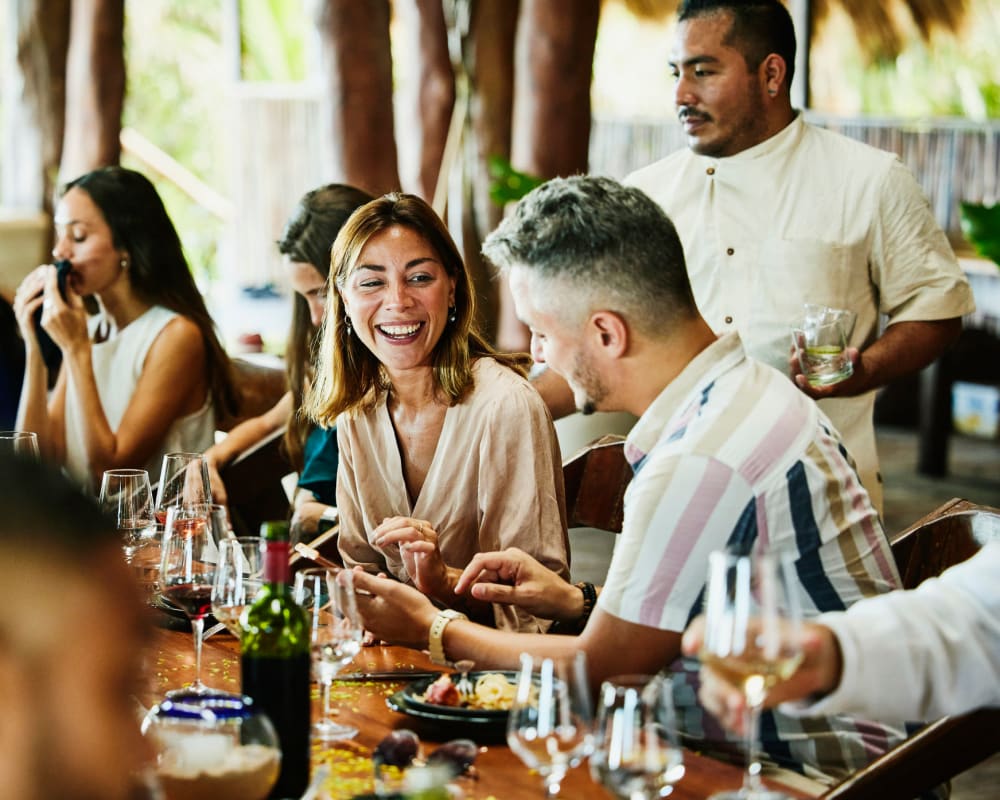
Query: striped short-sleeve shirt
[[729, 453]]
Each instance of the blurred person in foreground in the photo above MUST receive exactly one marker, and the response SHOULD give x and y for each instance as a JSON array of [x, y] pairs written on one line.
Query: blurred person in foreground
[[71, 644], [146, 375], [918, 654], [445, 449], [726, 451], [774, 212], [312, 451]]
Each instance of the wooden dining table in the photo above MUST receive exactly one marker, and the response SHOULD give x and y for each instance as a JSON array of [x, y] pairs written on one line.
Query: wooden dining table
[[499, 773]]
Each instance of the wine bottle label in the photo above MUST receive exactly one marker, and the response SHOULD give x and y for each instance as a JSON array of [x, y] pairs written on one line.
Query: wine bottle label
[[276, 567]]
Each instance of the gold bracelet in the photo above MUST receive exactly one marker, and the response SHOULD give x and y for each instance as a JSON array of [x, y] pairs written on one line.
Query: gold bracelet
[[435, 645]]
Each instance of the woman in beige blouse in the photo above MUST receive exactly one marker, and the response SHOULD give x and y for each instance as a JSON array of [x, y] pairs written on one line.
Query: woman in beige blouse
[[445, 449]]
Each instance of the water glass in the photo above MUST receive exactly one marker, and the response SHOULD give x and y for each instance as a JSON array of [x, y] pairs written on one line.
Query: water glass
[[550, 722], [19, 443], [820, 338], [636, 752]]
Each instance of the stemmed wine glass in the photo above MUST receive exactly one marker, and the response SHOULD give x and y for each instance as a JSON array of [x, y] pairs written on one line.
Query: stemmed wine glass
[[636, 754], [237, 579], [752, 621], [550, 721], [19, 443], [336, 631], [183, 481], [187, 572], [126, 496]]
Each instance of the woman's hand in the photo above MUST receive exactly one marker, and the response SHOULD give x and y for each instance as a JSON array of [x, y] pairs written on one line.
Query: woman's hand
[[64, 320], [418, 548], [28, 298]]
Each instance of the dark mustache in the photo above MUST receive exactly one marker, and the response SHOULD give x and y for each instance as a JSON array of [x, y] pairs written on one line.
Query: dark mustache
[[685, 113]]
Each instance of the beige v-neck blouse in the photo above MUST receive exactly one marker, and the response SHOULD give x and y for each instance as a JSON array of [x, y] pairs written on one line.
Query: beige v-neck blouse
[[495, 481]]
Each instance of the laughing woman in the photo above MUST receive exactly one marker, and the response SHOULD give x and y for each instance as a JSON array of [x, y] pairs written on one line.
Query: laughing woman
[[445, 449]]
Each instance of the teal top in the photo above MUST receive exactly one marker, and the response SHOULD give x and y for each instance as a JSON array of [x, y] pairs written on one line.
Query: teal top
[[319, 471]]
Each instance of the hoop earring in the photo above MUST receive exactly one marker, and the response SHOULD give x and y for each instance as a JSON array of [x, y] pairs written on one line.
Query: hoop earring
[[452, 314]]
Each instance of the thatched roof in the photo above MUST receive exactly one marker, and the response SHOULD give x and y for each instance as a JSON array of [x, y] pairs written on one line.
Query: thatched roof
[[880, 25]]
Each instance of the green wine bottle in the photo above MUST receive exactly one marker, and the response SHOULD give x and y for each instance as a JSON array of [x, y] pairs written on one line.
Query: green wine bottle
[[275, 662]]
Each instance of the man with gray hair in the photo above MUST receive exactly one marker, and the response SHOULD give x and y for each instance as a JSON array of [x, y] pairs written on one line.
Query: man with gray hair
[[726, 452]]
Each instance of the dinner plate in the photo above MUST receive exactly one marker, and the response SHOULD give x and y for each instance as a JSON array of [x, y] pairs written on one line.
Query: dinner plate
[[398, 702], [413, 694]]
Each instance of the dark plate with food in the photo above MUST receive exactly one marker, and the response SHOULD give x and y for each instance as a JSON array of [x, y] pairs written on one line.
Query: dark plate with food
[[490, 698]]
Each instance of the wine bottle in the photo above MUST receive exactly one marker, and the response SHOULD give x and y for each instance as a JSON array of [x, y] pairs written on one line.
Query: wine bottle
[[275, 662]]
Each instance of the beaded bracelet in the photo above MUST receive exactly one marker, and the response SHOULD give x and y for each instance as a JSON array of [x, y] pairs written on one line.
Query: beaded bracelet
[[589, 600]]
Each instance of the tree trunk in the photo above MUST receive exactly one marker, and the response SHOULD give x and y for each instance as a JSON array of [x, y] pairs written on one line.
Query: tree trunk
[[430, 97], [358, 74], [554, 62], [35, 93], [95, 86]]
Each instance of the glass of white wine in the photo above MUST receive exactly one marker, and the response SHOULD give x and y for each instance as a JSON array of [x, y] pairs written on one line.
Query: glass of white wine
[[752, 640], [636, 753], [550, 726], [237, 579]]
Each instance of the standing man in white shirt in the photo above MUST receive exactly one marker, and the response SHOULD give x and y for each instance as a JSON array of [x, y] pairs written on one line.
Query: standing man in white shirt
[[774, 213]]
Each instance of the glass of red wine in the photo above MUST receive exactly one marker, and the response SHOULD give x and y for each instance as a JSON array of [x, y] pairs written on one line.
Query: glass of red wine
[[187, 572]]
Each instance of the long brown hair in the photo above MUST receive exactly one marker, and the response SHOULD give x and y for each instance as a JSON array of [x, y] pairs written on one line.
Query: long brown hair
[[307, 238], [349, 377]]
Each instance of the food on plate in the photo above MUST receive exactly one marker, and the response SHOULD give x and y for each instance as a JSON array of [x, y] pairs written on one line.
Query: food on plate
[[492, 692], [443, 693]]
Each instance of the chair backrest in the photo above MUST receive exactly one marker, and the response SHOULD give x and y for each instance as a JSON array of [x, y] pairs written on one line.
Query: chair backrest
[[595, 480], [943, 749], [259, 386], [253, 485]]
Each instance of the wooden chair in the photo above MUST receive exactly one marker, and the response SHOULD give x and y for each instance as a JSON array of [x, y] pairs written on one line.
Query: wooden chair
[[595, 480], [253, 484], [259, 387], [943, 749]]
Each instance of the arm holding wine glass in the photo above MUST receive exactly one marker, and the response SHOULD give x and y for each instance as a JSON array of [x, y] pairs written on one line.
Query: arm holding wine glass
[[917, 654]]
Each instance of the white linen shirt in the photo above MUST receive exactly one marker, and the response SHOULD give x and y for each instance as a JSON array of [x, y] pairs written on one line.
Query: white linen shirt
[[809, 216]]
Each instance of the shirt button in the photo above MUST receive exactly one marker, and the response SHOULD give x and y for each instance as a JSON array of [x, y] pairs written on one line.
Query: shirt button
[[710, 171], [729, 251], [729, 320]]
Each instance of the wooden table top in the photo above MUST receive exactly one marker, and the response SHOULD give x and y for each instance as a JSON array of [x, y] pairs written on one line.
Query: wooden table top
[[501, 774]]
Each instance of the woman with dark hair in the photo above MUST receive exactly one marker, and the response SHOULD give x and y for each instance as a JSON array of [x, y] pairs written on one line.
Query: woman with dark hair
[[144, 376], [445, 449], [305, 244]]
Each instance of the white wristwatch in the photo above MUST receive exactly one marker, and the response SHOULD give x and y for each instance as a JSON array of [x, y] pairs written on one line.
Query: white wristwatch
[[434, 644]]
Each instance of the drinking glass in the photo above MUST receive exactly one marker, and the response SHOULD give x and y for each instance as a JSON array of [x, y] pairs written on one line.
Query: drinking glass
[[187, 572], [237, 579], [19, 443], [183, 481], [752, 622], [636, 754], [336, 632], [819, 338], [549, 726], [126, 496]]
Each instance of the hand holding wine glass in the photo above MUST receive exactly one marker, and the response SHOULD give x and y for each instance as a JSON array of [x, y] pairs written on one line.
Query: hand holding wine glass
[[187, 572], [549, 726], [636, 754], [336, 633], [751, 639]]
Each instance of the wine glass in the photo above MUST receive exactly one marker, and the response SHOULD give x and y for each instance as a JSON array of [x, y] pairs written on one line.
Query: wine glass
[[237, 579], [336, 632], [752, 622], [183, 481], [126, 496], [187, 572], [19, 443], [636, 754], [549, 725]]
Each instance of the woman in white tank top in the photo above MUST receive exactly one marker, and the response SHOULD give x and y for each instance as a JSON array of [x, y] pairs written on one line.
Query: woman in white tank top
[[147, 374]]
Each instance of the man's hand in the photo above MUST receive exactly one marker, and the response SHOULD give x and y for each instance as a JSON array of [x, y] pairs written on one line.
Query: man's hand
[[856, 384], [818, 673], [514, 578], [393, 612]]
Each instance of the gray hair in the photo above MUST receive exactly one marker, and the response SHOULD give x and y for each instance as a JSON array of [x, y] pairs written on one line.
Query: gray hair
[[606, 246]]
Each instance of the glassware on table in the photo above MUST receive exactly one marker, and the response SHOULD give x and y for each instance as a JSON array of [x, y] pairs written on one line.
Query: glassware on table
[[183, 481], [19, 443], [550, 722], [752, 639], [126, 496], [819, 339], [238, 578], [212, 745], [336, 634], [187, 573], [636, 753]]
